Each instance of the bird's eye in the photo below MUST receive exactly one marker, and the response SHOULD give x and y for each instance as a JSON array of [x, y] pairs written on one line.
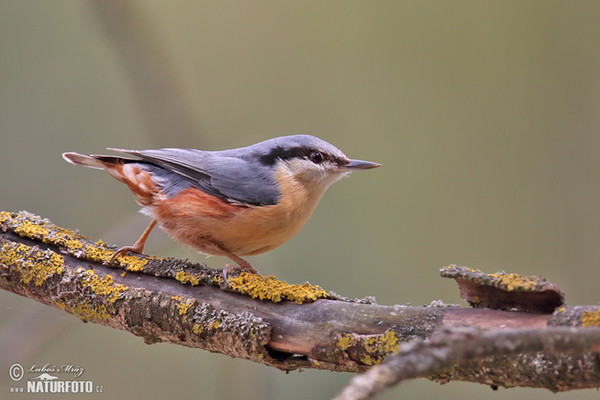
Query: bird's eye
[[316, 157]]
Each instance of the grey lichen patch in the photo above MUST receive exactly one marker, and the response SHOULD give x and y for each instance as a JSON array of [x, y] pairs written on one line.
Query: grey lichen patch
[[505, 291], [89, 296], [364, 300], [588, 316], [553, 372], [247, 333]]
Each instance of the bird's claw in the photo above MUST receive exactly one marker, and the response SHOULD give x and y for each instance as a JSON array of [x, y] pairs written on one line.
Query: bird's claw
[[230, 268]]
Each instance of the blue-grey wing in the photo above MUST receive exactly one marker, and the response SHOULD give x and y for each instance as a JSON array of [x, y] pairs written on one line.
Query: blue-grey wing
[[218, 174]]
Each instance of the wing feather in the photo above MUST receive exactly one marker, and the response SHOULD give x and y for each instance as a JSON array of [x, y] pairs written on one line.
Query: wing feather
[[217, 173]]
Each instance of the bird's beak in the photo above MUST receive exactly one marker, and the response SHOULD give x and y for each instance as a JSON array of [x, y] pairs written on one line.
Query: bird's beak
[[359, 164]]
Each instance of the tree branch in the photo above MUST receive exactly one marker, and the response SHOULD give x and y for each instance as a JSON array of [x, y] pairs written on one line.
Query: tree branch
[[449, 347], [265, 320]]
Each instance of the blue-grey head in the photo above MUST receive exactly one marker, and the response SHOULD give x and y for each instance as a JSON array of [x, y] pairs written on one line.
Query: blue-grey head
[[306, 158]]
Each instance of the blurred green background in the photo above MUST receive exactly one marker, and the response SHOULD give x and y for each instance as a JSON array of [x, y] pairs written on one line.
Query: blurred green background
[[484, 115]]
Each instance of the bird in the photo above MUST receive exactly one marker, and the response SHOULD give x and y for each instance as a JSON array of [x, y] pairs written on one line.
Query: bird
[[237, 202]]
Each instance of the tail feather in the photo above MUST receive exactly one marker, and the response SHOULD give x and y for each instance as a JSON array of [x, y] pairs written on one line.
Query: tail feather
[[129, 171], [95, 160], [84, 160]]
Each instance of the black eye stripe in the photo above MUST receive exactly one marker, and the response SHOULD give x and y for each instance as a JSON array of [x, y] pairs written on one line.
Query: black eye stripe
[[279, 153], [308, 153]]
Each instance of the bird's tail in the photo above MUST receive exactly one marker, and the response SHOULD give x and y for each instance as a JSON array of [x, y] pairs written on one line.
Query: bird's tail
[[131, 172], [92, 161]]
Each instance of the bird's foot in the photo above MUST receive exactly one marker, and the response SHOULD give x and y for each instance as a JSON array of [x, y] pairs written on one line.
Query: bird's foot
[[230, 268], [124, 250]]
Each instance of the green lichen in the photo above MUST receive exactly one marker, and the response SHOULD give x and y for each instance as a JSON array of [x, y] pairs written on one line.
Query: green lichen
[[269, 288]]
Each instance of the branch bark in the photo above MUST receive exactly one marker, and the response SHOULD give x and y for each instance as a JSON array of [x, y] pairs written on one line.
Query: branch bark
[[449, 347], [269, 321]]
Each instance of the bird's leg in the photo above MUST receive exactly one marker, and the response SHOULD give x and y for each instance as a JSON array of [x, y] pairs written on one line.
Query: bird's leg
[[138, 246], [242, 264]]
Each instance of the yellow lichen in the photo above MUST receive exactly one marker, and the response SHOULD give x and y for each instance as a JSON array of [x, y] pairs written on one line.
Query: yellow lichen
[[269, 288], [86, 311], [103, 286], [11, 254], [98, 254], [30, 230], [591, 318], [186, 277], [368, 360], [73, 245], [184, 305], [73, 242], [49, 265], [33, 267], [345, 342], [476, 300], [197, 329], [4, 216], [64, 237], [378, 347], [134, 264], [200, 328], [386, 343], [515, 281]]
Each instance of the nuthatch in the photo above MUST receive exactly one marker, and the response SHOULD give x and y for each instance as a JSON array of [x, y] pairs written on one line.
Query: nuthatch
[[232, 203]]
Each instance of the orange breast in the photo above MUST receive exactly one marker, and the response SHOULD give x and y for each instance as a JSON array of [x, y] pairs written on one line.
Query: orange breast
[[192, 201], [216, 227]]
